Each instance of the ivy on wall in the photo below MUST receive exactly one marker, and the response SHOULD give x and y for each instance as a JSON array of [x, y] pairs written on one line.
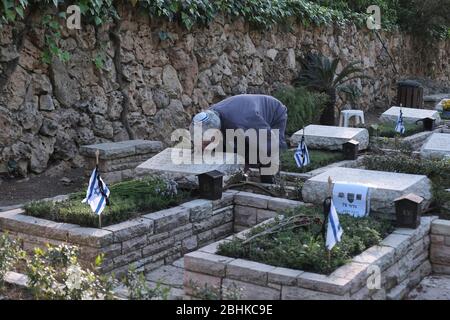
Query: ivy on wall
[[432, 18]]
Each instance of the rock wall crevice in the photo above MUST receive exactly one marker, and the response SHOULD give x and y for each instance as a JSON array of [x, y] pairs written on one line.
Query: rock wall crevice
[[156, 74]]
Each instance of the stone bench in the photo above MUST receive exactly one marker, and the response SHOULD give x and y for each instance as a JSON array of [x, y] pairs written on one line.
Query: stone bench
[[384, 187], [331, 137], [118, 160]]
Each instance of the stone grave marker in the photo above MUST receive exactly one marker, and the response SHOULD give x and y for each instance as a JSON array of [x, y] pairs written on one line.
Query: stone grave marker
[[437, 146], [168, 163], [384, 187], [410, 115], [331, 137]]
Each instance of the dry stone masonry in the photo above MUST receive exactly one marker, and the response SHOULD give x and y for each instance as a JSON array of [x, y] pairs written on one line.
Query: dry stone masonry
[[118, 160], [47, 111]]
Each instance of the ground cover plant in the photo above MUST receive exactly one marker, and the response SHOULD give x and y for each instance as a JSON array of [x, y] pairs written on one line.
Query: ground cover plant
[[387, 130], [298, 241], [55, 273], [319, 158], [127, 200]]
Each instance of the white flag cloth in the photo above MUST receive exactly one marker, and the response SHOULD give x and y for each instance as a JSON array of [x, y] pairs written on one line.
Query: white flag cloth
[[97, 193], [301, 155], [334, 229], [400, 127]]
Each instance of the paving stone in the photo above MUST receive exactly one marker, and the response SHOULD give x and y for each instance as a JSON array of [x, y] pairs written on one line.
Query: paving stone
[[168, 275], [435, 287], [194, 282]]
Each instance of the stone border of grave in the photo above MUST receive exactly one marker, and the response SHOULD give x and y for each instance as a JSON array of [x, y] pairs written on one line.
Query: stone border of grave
[[151, 240], [440, 246], [414, 141], [402, 258]]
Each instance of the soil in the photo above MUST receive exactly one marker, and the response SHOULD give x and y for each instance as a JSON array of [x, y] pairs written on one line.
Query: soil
[[17, 191]]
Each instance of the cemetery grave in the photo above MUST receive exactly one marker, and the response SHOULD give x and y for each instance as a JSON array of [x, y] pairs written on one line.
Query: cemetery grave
[[410, 115]]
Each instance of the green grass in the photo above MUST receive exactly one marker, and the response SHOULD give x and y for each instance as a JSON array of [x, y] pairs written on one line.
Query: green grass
[[388, 130], [127, 200], [303, 248], [319, 158]]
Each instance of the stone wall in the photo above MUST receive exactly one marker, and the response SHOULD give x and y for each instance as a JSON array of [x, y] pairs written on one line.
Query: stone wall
[[440, 246], [402, 258], [147, 242], [147, 86]]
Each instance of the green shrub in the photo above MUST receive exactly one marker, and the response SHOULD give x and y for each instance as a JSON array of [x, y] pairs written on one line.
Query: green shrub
[[318, 158], [10, 253], [304, 107], [127, 200], [303, 248]]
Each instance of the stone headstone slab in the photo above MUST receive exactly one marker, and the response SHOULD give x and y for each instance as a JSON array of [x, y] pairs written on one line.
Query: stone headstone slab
[[437, 146], [167, 164], [113, 150], [384, 187], [410, 115], [331, 137]]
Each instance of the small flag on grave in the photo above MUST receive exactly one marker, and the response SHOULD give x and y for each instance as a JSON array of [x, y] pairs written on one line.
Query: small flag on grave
[[400, 127], [334, 229], [97, 195], [301, 155]]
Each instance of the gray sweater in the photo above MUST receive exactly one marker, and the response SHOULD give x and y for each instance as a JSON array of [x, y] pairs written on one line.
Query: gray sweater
[[253, 111]]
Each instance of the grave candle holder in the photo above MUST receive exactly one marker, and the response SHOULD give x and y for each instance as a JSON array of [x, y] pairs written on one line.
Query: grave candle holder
[[350, 150], [211, 185], [408, 211]]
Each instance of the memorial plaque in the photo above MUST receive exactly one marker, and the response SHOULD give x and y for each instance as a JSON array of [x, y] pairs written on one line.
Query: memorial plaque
[[410, 115], [437, 146]]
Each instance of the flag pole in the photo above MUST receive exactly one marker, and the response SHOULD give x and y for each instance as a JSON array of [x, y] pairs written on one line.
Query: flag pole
[[97, 155], [330, 193]]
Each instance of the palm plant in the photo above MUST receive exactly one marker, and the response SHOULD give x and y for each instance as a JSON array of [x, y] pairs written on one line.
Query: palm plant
[[319, 73]]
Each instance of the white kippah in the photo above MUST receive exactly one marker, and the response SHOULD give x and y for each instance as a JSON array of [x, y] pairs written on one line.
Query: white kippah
[[201, 117]]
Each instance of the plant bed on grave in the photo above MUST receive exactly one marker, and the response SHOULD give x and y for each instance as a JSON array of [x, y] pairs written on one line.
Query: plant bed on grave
[[438, 171], [128, 200], [384, 136], [318, 159], [401, 260], [289, 244]]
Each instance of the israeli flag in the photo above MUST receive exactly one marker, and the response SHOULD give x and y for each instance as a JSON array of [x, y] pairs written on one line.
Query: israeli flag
[[334, 230], [97, 193], [301, 155], [400, 127]]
